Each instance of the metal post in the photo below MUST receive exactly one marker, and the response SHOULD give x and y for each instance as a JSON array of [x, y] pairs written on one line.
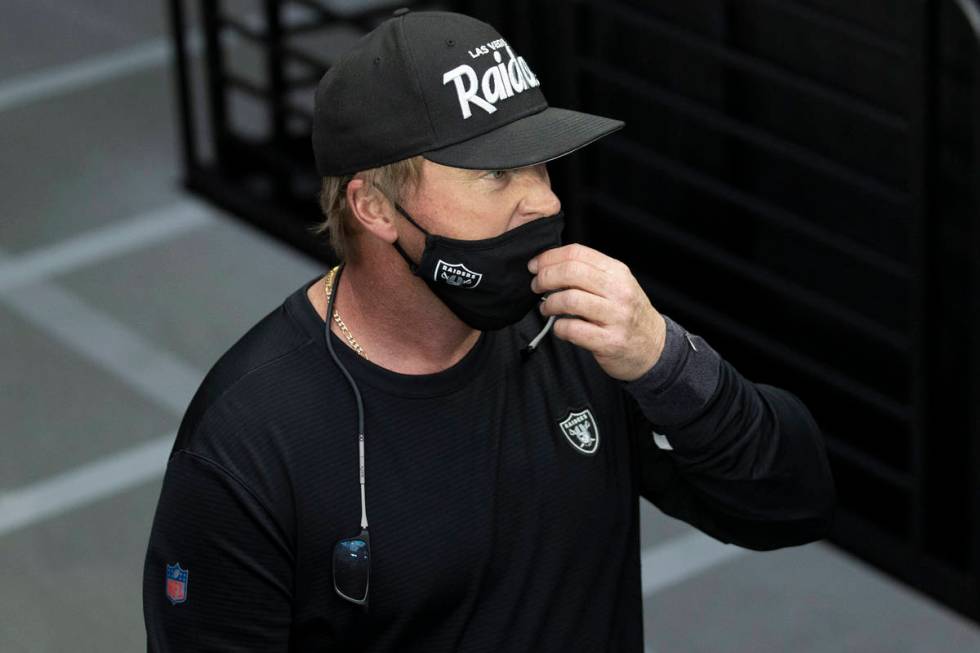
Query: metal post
[[276, 90], [971, 12], [921, 94], [182, 86], [561, 59], [274, 72], [218, 110], [974, 369]]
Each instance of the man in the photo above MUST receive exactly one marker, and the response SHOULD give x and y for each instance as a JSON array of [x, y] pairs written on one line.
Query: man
[[499, 443]]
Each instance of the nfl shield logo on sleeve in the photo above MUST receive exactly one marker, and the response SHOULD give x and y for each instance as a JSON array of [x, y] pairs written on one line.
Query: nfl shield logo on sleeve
[[176, 584]]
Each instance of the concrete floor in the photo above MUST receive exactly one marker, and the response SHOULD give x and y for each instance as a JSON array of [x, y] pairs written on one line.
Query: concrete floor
[[118, 291]]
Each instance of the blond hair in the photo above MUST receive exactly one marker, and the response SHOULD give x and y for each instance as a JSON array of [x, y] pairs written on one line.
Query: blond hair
[[340, 224]]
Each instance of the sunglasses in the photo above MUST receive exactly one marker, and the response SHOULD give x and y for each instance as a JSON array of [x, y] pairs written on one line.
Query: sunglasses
[[352, 568], [351, 556]]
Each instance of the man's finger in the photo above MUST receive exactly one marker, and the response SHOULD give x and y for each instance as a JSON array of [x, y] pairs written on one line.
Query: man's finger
[[580, 332], [569, 274], [573, 252], [579, 303]]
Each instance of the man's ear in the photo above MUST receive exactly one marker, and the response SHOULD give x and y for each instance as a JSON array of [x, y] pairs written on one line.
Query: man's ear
[[371, 209]]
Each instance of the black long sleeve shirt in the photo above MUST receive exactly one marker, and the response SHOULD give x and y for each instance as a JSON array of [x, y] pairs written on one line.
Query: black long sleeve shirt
[[502, 493]]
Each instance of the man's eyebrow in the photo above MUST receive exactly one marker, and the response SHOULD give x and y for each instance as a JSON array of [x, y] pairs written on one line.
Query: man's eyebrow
[[483, 172]]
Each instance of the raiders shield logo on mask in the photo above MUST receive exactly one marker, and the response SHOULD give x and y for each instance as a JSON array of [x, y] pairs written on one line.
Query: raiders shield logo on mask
[[456, 274], [581, 431]]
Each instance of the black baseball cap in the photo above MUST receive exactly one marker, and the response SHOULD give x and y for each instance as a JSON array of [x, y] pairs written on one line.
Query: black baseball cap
[[448, 87]]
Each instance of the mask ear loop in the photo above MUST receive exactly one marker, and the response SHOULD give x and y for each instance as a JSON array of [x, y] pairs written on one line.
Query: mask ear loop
[[412, 265], [399, 208]]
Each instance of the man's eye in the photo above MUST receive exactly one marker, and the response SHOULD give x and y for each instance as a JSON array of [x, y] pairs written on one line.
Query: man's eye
[[497, 174]]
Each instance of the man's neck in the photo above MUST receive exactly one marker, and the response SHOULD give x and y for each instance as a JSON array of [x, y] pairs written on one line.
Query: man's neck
[[399, 323]]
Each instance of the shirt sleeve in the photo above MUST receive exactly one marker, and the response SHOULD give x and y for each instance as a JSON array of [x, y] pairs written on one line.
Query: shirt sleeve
[[743, 462], [218, 570]]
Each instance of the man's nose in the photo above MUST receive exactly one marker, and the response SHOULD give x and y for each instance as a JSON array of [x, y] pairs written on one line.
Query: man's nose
[[538, 200]]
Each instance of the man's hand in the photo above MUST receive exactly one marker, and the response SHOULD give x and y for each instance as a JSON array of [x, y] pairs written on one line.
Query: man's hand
[[612, 316]]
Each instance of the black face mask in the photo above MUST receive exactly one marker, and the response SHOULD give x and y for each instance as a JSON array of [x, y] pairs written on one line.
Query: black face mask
[[486, 282]]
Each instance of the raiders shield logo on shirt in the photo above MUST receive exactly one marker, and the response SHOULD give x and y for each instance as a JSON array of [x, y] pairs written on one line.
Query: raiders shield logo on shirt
[[581, 431], [456, 274]]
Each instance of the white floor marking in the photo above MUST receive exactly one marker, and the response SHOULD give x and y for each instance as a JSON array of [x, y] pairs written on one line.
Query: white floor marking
[[83, 485], [146, 229], [31, 87], [57, 80], [106, 342]]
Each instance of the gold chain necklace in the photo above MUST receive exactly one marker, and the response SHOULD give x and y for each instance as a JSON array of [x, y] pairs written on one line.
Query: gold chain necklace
[[336, 316]]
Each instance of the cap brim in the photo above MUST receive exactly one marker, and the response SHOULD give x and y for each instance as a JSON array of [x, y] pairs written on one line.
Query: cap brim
[[537, 138]]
